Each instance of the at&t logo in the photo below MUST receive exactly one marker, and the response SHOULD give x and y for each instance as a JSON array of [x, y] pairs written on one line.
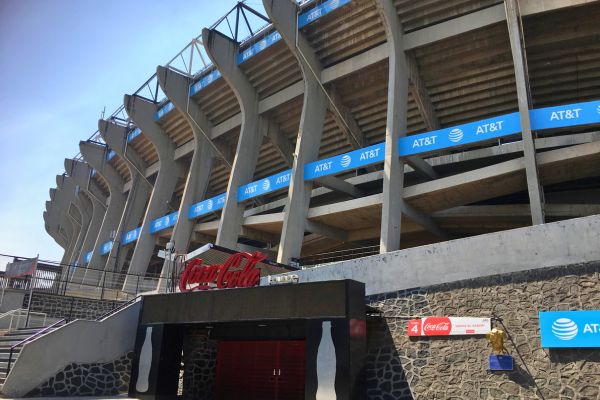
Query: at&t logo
[[345, 161], [209, 204], [455, 135], [266, 185], [564, 329]]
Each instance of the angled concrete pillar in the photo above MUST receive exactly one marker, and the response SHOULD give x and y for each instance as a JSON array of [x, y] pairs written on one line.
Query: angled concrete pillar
[[177, 87], [312, 119], [95, 156], [223, 52], [52, 230], [534, 187], [115, 136], [84, 205], [80, 172], [142, 113], [396, 125], [64, 201]]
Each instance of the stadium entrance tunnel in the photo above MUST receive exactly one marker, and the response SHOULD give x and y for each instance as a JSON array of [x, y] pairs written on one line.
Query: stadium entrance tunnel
[[270, 342]]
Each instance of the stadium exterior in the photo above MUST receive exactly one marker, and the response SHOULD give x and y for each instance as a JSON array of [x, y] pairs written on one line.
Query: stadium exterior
[[456, 143]]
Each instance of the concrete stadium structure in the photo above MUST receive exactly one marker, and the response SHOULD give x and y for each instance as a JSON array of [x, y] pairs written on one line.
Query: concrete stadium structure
[[367, 124]]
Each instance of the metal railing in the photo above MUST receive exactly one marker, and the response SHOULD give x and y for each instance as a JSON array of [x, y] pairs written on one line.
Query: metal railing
[[18, 314], [337, 256], [28, 339]]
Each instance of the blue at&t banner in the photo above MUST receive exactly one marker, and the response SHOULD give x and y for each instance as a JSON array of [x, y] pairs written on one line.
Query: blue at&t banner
[[472, 132], [570, 329], [565, 115], [207, 206], [317, 12], [344, 162], [264, 186], [131, 236], [87, 257], [205, 81], [259, 46], [164, 222], [106, 248], [110, 154], [164, 110], [133, 134]]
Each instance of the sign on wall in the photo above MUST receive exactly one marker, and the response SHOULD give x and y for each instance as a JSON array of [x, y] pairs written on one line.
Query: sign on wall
[[345, 162], [570, 329], [448, 326], [565, 115], [163, 222], [239, 270], [265, 185], [207, 206], [21, 268]]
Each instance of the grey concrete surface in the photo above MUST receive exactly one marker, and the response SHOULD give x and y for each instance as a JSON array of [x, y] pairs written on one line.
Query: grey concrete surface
[[79, 341]]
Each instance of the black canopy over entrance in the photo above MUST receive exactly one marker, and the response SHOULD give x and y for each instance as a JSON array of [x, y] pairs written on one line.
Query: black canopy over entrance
[[324, 319]]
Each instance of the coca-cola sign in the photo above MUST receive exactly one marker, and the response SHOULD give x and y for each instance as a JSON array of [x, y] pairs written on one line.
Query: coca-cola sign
[[445, 326], [239, 270]]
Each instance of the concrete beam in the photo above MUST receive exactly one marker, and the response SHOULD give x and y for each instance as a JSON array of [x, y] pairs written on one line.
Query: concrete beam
[[176, 87], [396, 126], [115, 135], [223, 53], [535, 190], [326, 231], [95, 155], [283, 14], [142, 113]]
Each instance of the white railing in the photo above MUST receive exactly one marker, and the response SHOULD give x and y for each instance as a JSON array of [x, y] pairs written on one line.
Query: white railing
[[18, 318]]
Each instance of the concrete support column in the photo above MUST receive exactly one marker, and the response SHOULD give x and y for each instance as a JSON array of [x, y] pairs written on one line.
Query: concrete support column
[[312, 119], [80, 173], [396, 125], [223, 52], [534, 188], [177, 86], [52, 230], [84, 205], [116, 137], [66, 192], [142, 113], [95, 156]]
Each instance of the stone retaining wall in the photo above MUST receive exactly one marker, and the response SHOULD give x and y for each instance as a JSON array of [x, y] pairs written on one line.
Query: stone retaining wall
[[456, 368], [96, 379], [56, 306], [199, 365]]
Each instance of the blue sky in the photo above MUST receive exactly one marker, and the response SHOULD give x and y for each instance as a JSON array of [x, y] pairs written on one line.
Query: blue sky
[[61, 63]]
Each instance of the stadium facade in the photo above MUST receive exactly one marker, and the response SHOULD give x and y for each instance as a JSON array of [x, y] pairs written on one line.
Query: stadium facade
[[455, 143]]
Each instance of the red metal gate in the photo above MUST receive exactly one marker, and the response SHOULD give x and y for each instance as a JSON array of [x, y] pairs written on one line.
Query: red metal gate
[[260, 370]]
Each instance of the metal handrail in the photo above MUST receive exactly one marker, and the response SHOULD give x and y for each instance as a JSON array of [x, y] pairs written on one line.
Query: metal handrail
[[27, 339], [119, 308]]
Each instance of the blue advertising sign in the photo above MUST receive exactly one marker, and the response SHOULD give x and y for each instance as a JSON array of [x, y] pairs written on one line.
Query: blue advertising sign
[[570, 329], [472, 132], [131, 236], [106, 248], [207, 206], [259, 46], [110, 154], [93, 173], [565, 115], [501, 362], [344, 162], [265, 185], [163, 222], [204, 82], [87, 257], [317, 12], [164, 110], [133, 134]]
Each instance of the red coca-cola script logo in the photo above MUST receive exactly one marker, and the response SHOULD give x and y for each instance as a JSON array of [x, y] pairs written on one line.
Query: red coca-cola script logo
[[437, 326], [232, 273]]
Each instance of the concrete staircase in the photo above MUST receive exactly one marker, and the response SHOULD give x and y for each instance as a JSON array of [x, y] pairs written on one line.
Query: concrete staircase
[[11, 338]]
